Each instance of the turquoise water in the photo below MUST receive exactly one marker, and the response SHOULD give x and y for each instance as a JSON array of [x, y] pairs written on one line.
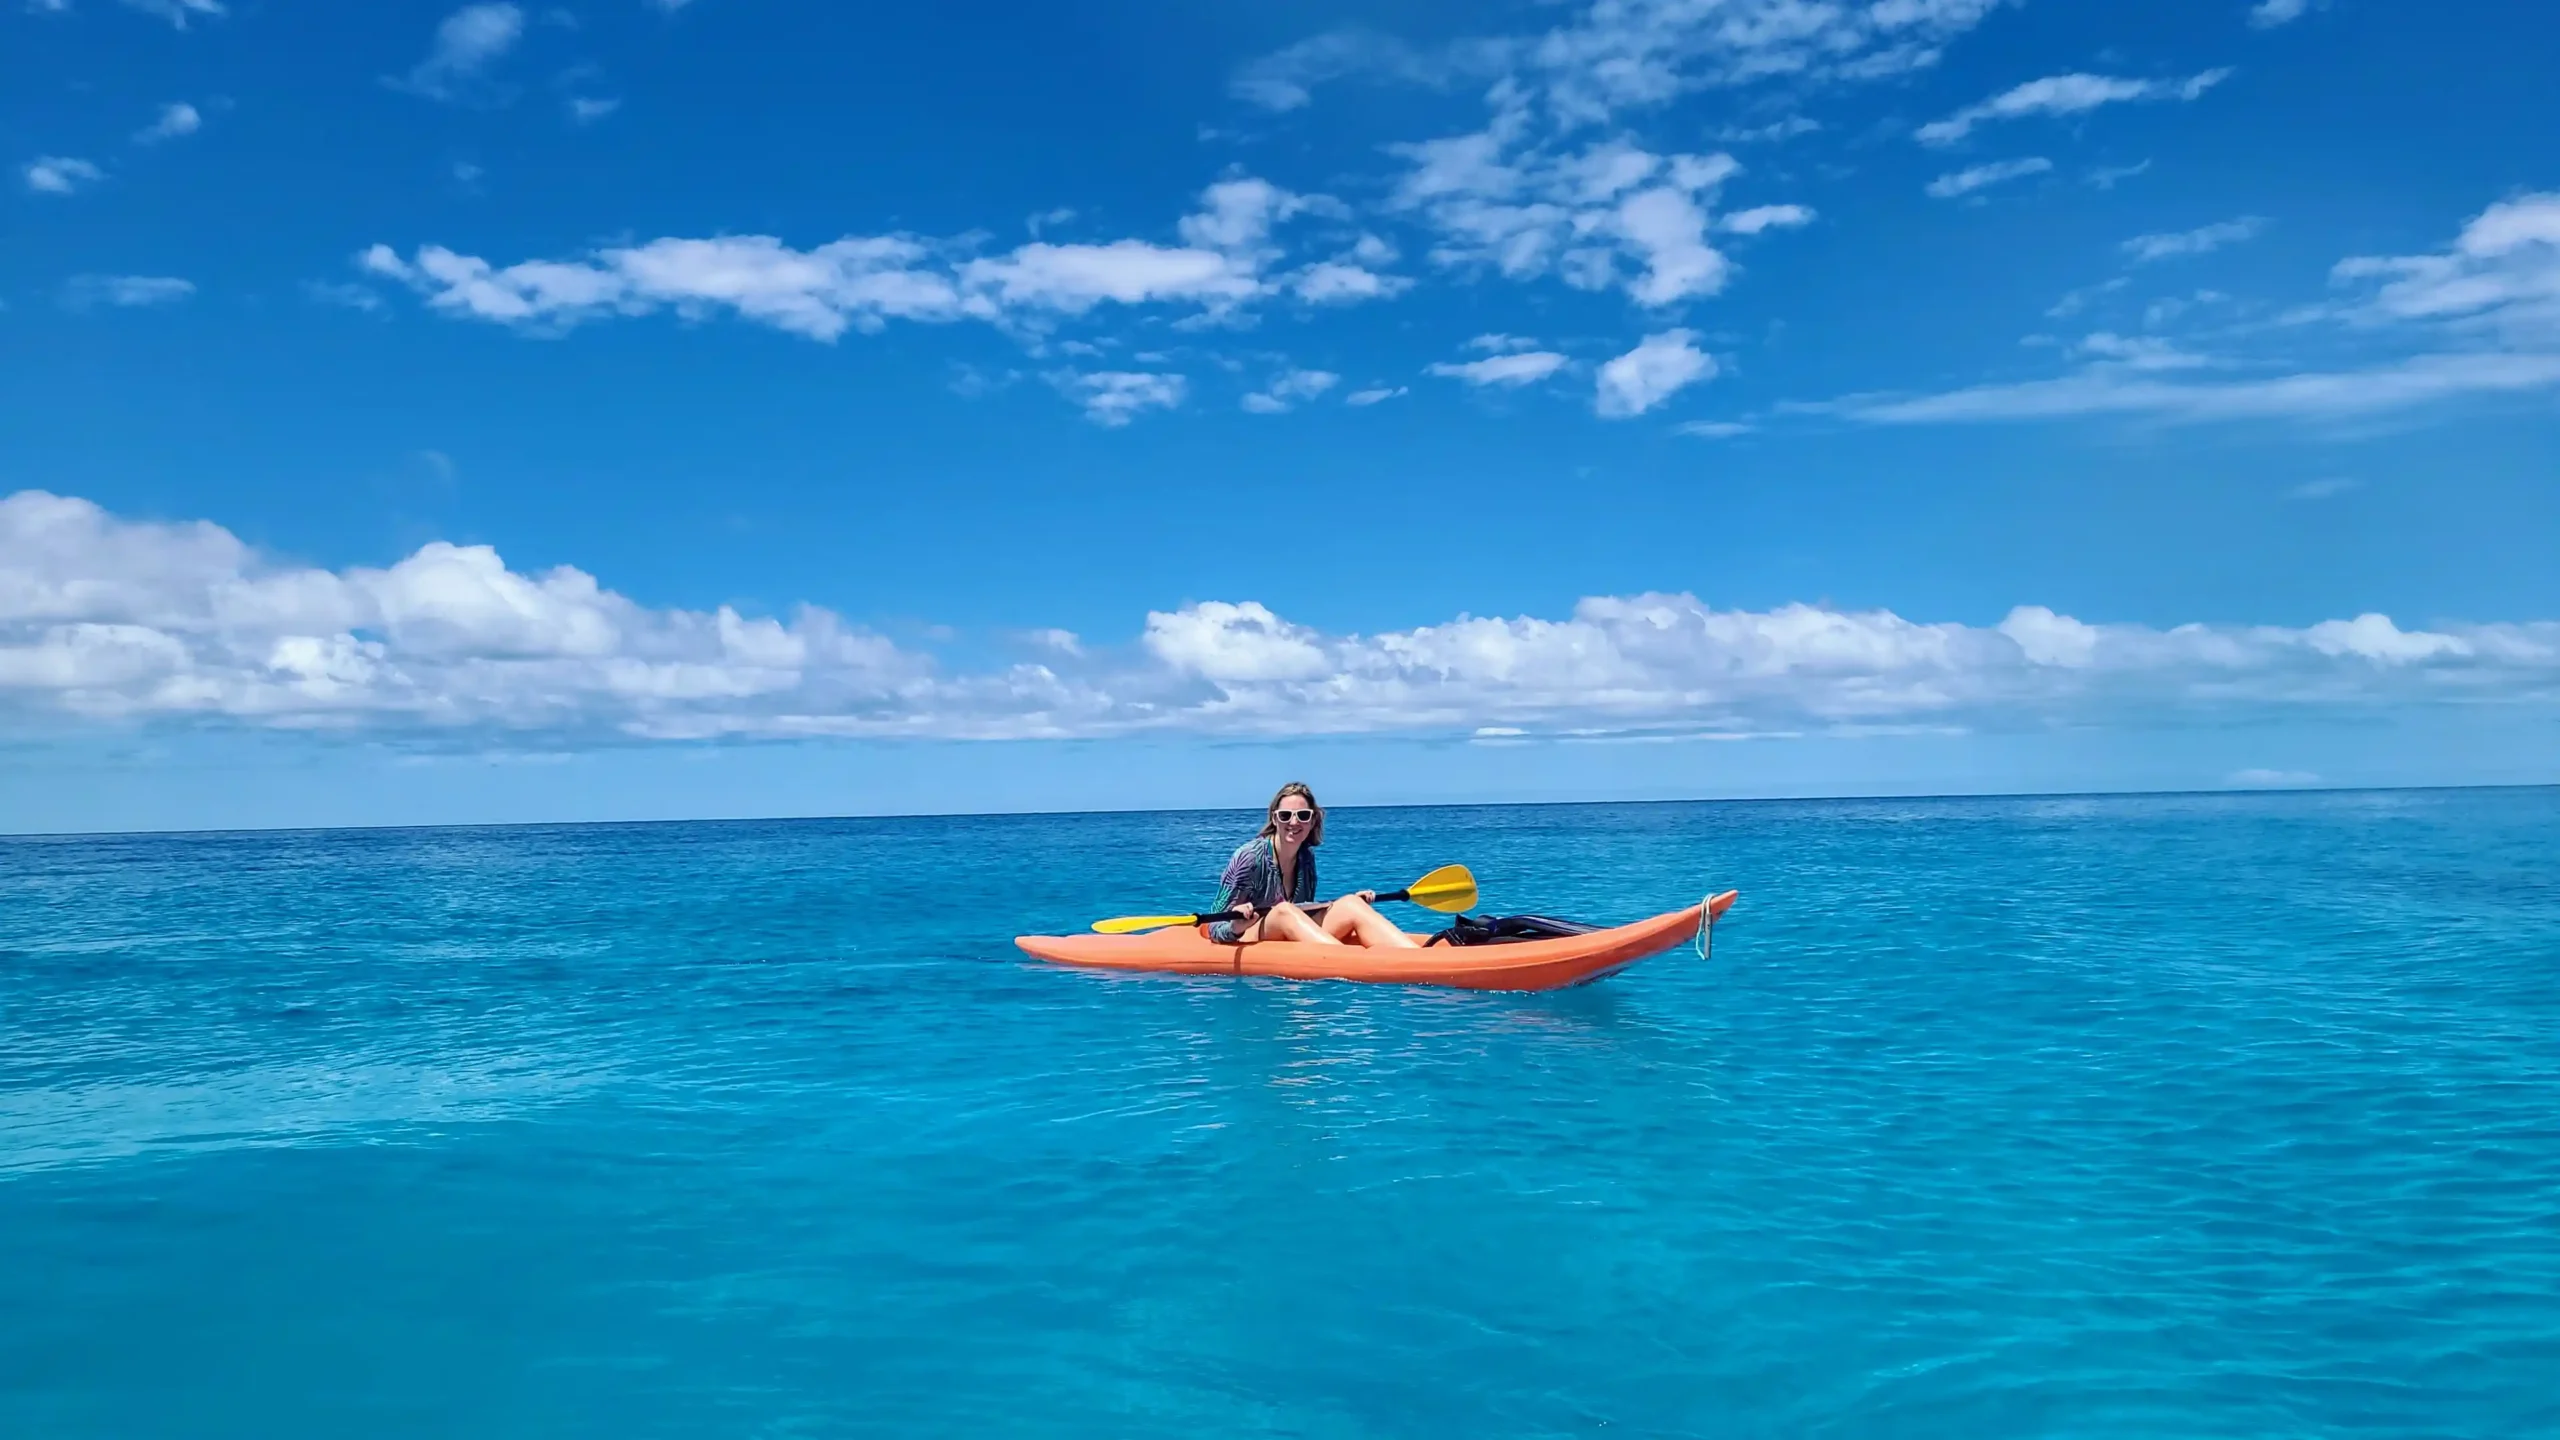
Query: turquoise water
[[2183, 1116]]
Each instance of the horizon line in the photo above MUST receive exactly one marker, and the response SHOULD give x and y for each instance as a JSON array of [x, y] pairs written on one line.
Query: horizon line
[[15, 835]]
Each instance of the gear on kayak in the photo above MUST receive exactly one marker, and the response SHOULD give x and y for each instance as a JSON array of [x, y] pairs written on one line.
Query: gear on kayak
[[1506, 929]]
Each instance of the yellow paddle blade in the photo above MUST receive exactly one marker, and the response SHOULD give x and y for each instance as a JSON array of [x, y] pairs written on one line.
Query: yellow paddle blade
[[1451, 888], [1126, 924]]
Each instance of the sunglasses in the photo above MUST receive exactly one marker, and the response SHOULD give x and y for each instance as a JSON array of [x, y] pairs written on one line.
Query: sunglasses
[[1293, 817]]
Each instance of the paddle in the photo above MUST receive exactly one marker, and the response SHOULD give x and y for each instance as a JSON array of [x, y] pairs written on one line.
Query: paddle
[[1449, 889]]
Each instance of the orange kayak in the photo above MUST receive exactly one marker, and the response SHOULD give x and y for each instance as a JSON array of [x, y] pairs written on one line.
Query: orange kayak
[[1517, 965]]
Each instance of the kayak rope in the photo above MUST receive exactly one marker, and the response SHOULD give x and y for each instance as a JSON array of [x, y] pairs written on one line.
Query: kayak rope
[[1707, 926]]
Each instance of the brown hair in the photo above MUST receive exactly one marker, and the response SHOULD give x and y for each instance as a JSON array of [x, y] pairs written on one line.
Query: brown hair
[[1270, 827]]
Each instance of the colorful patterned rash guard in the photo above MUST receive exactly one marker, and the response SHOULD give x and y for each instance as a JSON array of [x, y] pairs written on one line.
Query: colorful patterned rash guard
[[1253, 873]]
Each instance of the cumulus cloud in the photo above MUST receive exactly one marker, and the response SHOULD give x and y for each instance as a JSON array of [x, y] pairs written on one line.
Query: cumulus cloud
[[175, 120], [125, 291], [2268, 14], [2064, 95], [1965, 182], [1374, 395], [107, 618], [1337, 282], [467, 42], [862, 282], [1766, 217], [2137, 352], [1659, 367], [1288, 389], [1113, 398], [60, 174], [1515, 369], [1603, 214], [2203, 240]]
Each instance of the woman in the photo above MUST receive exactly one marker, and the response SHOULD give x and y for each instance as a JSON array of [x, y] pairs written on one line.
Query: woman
[[1273, 874]]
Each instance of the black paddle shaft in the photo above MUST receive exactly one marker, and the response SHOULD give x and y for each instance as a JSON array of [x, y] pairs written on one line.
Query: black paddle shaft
[[1406, 894]]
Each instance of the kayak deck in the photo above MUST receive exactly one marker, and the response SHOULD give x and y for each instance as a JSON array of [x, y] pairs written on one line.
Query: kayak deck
[[1516, 965]]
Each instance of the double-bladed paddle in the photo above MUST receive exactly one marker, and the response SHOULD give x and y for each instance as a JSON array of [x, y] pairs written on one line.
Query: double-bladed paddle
[[1449, 889]]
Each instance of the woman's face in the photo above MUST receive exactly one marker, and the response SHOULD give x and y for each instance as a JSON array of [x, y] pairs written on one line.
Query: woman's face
[[1295, 816]]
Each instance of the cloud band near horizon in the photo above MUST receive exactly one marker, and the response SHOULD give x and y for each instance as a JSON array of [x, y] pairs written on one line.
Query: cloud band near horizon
[[106, 620]]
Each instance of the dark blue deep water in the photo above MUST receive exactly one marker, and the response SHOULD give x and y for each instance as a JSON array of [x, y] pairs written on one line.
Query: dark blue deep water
[[2183, 1116]]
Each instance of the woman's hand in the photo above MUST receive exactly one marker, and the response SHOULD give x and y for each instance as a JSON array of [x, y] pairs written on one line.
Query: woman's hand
[[1367, 897], [1244, 913]]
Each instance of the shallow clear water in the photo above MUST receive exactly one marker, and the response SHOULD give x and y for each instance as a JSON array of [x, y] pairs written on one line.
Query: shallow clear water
[[2184, 1116]]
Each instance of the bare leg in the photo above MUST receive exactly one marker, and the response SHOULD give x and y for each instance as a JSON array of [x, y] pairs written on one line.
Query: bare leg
[[1285, 921], [1354, 919]]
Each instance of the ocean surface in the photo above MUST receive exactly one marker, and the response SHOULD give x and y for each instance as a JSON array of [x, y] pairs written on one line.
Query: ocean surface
[[2164, 1116]]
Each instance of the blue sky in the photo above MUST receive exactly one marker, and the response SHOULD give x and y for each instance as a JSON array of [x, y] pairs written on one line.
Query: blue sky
[[629, 409]]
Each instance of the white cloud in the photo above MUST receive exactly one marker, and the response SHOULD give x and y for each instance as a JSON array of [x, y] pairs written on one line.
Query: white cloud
[[1335, 282], [2501, 276], [2403, 384], [2326, 488], [863, 282], [1113, 398], [1501, 202], [109, 618], [2106, 177], [1285, 80], [2203, 240], [1669, 231], [1239, 214], [176, 12], [1965, 182], [1786, 129], [2268, 14], [175, 120], [1229, 644], [1288, 388], [1766, 217], [1617, 55], [2375, 638], [2479, 319], [2137, 352], [60, 174], [1713, 429], [1516, 369], [1072, 279], [1373, 396], [588, 109], [467, 43], [350, 296], [2064, 95], [125, 291], [1656, 369]]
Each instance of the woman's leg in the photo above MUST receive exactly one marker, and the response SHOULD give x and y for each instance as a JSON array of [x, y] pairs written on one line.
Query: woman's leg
[[1285, 921], [1354, 919]]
